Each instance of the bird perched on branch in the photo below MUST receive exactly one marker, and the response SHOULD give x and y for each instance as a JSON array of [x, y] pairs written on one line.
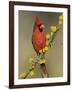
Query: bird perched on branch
[[39, 42]]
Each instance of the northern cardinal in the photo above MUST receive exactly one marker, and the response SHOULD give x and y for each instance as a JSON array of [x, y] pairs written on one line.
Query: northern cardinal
[[39, 42]]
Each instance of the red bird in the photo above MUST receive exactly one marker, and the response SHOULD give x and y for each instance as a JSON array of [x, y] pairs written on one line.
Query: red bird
[[38, 38], [39, 41]]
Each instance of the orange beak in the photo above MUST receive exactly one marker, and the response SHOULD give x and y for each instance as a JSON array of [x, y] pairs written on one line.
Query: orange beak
[[42, 26]]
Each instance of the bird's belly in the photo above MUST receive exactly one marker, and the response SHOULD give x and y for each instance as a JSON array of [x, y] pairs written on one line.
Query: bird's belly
[[39, 41]]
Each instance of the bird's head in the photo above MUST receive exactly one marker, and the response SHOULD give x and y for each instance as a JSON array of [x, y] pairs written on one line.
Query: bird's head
[[39, 24]]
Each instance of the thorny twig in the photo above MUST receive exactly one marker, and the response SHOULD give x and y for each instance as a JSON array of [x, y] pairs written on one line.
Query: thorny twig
[[36, 58], [51, 40]]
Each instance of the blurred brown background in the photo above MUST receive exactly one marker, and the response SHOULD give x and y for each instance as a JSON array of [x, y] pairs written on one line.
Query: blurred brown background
[[54, 58]]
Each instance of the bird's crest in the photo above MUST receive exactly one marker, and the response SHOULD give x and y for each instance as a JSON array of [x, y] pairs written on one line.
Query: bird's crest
[[37, 21]]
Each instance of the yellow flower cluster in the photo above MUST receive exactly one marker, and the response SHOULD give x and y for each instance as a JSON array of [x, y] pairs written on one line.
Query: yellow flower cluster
[[48, 36], [52, 33], [41, 61], [44, 49], [32, 64], [22, 75], [53, 29], [60, 19], [60, 22], [31, 73], [30, 60]]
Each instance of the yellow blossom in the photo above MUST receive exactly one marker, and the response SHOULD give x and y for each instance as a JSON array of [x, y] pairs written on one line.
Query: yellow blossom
[[41, 61], [52, 33], [53, 28], [40, 51], [61, 17], [30, 60], [45, 49], [31, 73], [22, 75], [48, 36], [60, 22]]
